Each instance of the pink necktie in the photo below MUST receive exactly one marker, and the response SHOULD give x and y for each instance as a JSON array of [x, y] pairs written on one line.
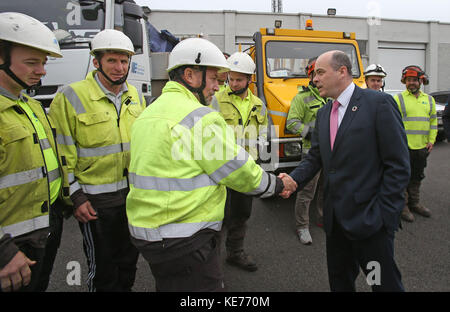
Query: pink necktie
[[334, 122]]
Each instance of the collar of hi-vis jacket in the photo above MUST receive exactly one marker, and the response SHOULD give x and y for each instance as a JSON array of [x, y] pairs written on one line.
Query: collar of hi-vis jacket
[[173, 86], [250, 96], [95, 91], [316, 94], [11, 99]]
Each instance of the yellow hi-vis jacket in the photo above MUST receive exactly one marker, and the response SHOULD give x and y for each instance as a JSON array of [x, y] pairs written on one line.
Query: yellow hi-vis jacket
[[303, 112], [247, 117], [419, 118], [31, 172], [183, 156], [92, 135]]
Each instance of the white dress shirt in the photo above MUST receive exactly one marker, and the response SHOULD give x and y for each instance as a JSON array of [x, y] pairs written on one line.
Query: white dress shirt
[[344, 99]]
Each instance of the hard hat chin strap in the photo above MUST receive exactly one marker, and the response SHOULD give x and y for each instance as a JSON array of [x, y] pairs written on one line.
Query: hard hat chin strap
[[6, 68], [198, 90], [240, 91], [114, 82], [9, 72]]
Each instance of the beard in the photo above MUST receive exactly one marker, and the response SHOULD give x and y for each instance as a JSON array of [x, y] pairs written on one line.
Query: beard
[[413, 90]]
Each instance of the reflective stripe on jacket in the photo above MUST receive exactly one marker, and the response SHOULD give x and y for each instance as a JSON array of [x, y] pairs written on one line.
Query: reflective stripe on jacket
[[93, 136], [303, 111], [183, 156], [24, 178], [419, 118]]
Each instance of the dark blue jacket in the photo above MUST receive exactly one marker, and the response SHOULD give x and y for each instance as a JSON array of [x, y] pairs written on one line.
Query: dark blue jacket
[[446, 119], [368, 170]]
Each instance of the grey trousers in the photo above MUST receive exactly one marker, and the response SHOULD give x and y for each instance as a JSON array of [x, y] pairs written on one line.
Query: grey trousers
[[304, 198]]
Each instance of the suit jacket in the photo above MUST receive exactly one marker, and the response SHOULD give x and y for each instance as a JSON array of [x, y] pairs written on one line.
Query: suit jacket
[[368, 170]]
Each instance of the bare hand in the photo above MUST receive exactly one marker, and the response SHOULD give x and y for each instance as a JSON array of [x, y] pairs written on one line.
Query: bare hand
[[16, 273], [429, 147], [85, 212], [289, 185]]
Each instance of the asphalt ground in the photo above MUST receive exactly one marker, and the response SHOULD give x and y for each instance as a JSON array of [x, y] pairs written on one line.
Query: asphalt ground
[[422, 248]]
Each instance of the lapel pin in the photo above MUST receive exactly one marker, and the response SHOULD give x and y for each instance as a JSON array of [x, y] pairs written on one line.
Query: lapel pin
[[354, 108]]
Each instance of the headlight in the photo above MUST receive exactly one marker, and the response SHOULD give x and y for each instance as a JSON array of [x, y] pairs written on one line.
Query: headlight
[[292, 149]]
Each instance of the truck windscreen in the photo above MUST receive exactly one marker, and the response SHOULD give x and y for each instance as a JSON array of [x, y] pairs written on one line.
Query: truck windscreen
[[74, 24], [288, 59]]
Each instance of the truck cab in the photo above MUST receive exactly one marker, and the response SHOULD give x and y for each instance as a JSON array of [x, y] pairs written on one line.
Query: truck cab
[[281, 56], [75, 23]]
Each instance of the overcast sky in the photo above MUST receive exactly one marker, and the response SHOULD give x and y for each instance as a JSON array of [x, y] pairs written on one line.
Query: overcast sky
[[436, 10]]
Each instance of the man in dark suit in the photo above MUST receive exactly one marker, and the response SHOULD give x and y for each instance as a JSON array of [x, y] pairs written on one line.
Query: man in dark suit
[[360, 143], [446, 119]]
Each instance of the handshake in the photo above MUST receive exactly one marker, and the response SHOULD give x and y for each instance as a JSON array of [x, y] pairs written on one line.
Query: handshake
[[289, 185]]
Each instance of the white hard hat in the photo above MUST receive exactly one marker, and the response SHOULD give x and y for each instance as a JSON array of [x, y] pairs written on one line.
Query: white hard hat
[[28, 31], [375, 70], [197, 51], [242, 63], [111, 39]]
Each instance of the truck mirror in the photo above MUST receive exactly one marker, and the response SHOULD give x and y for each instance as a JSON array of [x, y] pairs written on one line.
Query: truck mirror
[[132, 10], [90, 13], [132, 28]]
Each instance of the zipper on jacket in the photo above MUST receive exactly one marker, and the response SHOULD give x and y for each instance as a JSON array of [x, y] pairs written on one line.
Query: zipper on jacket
[[126, 102], [249, 116], [60, 164], [125, 170], [118, 120], [44, 169]]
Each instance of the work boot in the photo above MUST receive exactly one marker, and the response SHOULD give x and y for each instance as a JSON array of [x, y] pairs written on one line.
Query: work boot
[[414, 199], [241, 260], [423, 211], [407, 215], [304, 236]]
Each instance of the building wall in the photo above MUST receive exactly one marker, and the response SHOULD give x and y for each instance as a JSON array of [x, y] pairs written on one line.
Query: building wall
[[444, 66], [427, 43]]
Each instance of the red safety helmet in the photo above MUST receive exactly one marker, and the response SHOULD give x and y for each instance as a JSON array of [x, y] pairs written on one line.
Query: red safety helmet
[[309, 69], [414, 71]]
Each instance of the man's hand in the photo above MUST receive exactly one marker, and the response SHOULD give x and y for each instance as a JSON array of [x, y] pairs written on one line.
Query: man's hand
[[429, 147], [16, 273], [85, 212], [308, 135], [289, 185]]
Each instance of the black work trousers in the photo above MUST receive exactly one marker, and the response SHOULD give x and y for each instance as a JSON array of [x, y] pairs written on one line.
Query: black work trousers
[[111, 256], [238, 209], [446, 121], [56, 220], [418, 162], [197, 271], [374, 255]]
